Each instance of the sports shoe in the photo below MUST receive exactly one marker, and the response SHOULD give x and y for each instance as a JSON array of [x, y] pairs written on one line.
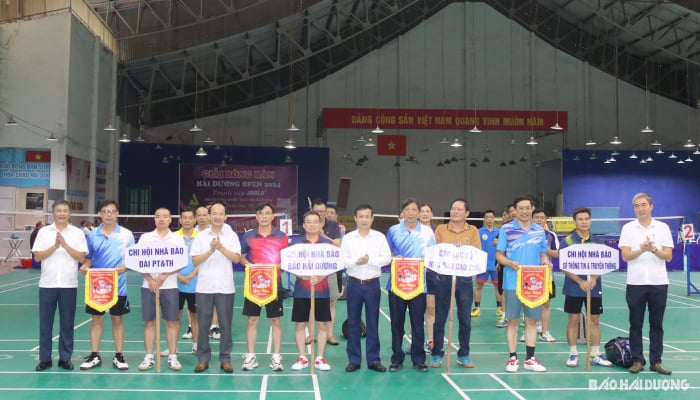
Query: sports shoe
[[522, 321], [534, 364], [572, 361], [547, 337], [91, 361], [465, 362], [539, 327], [512, 365], [194, 348], [249, 362], [502, 323], [147, 363], [499, 312], [119, 363], [476, 312], [188, 334], [322, 364], [214, 333], [301, 363], [428, 347], [436, 361], [276, 363], [174, 364], [600, 360], [522, 338]]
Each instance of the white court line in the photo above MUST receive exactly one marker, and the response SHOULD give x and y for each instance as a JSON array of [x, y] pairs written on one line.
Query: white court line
[[455, 387], [19, 282], [19, 287], [263, 388], [268, 348], [55, 338], [505, 385], [317, 388]]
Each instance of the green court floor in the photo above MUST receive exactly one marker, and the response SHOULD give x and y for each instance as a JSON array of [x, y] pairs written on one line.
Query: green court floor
[[19, 351]]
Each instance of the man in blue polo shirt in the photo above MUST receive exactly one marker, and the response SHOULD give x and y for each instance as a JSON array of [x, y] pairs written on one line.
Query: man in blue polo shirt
[[521, 242]]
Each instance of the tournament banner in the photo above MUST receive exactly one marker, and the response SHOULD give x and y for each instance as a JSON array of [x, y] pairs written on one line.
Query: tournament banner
[[101, 288], [260, 284], [534, 285], [448, 259], [310, 259], [156, 257], [589, 259], [407, 277]]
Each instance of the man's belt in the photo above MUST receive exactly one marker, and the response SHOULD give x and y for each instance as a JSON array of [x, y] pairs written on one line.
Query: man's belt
[[363, 281]]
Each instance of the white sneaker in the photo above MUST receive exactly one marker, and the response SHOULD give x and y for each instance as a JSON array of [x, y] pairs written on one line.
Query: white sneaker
[[322, 364], [188, 334], [512, 365], [572, 361], [174, 364], [534, 364], [119, 362], [249, 362], [301, 363], [600, 360], [147, 363], [91, 361], [547, 337], [276, 363], [539, 326], [215, 333], [194, 348]]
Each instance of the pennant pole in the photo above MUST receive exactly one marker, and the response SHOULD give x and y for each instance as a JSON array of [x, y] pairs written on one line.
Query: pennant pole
[[452, 318]]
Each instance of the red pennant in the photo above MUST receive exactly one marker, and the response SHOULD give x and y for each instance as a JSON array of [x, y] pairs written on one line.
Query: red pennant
[[391, 145]]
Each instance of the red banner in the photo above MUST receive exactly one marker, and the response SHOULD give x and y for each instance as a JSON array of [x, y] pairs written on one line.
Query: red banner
[[534, 285], [407, 277], [493, 120], [101, 288], [391, 145], [38, 156], [260, 285]]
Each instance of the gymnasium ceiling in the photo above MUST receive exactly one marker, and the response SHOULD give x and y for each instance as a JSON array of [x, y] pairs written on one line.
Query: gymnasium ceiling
[[239, 53]]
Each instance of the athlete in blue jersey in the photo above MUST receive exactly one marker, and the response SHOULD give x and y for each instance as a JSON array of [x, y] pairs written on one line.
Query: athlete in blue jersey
[[106, 247], [488, 235], [187, 277], [408, 239]]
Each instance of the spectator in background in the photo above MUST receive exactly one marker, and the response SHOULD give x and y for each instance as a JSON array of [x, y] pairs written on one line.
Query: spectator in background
[[32, 236]]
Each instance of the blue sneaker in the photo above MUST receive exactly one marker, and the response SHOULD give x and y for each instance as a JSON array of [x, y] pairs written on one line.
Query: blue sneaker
[[436, 362], [572, 361], [600, 360], [465, 362], [501, 324]]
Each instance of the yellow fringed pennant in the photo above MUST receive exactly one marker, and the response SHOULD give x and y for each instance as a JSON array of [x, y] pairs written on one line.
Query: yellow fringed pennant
[[101, 288], [260, 285], [534, 285], [407, 279]]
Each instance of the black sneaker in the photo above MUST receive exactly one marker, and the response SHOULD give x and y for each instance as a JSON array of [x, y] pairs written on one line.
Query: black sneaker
[[119, 363]]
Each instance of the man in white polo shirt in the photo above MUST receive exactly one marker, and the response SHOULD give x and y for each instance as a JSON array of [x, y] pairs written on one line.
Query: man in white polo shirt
[[213, 252], [166, 284], [647, 245], [60, 247]]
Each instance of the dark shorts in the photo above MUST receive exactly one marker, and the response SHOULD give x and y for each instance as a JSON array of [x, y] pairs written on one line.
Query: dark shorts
[[483, 278], [190, 299], [574, 305], [499, 268], [553, 293], [431, 282], [122, 307], [273, 309], [302, 309], [168, 304]]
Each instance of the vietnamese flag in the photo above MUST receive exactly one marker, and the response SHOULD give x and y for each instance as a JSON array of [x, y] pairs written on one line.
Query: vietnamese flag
[[391, 145], [38, 156]]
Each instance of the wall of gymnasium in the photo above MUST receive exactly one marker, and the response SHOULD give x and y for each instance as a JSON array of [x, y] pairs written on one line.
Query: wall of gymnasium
[[466, 56]]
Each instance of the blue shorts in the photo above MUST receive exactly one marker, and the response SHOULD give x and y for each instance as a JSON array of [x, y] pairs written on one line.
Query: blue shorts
[[514, 305], [482, 278]]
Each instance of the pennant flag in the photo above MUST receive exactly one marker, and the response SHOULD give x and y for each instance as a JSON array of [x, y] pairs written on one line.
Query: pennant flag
[[391, 145], [260, 284], [101, 288], [38, 156], [407, 277], [534, 285]]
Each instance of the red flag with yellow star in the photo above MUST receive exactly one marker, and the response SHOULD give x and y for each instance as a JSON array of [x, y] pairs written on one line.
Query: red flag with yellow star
[[38, 156], [391, 145]]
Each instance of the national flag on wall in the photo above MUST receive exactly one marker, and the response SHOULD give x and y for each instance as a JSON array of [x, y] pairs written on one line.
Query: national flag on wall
[[38, 156], [391, 145]]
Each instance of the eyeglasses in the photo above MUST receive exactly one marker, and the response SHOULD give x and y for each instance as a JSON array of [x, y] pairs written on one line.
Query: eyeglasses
[[108, 212]]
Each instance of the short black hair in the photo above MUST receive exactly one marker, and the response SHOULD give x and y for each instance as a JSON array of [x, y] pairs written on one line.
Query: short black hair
[[363, 206], [581, 210], [490, 211], [261, 206], [60, 203], [409, 201], [466, 204], [306, 214], [108, 203], [523, 197]]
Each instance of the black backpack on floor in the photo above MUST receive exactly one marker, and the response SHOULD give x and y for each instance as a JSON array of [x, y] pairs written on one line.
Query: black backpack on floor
[[617, 351]]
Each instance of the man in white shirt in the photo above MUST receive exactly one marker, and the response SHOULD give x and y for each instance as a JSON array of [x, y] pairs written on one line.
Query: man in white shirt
[[364, 253], [213, 252], [60, 247], [166, 285], [647, 245]]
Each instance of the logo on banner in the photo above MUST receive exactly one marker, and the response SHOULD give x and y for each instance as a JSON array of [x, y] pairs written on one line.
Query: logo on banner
[[260, 285], [101, 288], [407, 277], [534, 284]]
